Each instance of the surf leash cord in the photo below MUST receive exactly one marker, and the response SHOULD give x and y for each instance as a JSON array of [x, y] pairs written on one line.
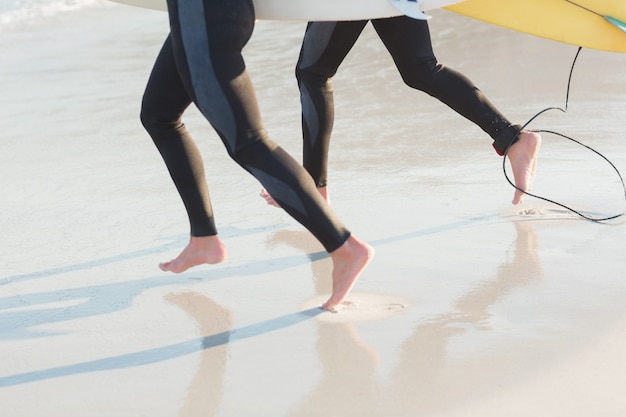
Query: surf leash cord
[[564, 110]]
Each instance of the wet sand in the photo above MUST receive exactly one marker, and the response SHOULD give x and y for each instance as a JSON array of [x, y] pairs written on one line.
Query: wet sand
[[471, 307]]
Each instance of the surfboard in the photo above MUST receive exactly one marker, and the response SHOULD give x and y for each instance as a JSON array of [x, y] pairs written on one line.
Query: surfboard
[[325, 10], [595, 24]]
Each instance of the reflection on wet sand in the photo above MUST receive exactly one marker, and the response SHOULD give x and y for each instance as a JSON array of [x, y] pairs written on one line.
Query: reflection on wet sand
[[348, 386], [524, 268], [420, 382], [306, 243], [207, 386]]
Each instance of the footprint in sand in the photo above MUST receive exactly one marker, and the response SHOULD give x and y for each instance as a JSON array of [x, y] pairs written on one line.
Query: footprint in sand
[[360, 307]]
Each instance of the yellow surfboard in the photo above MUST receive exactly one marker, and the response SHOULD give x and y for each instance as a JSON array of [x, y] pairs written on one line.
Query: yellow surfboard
[[595, 24]]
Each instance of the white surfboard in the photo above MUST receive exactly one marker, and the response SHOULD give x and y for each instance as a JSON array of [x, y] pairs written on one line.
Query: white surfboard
[[328, 10]]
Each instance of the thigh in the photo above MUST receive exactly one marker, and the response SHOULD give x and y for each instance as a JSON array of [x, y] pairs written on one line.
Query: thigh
[[208, 37], [165, 98], [405, 38], [326, 44]]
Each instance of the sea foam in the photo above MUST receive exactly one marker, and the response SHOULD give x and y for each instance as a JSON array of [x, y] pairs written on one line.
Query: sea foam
[[18, 13]]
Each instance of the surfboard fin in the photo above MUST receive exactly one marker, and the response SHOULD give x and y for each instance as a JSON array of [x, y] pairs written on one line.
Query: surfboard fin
[[620, 25], [411, 8]]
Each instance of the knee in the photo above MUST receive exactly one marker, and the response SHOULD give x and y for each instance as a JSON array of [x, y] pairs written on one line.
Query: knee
[[147, 115], [313, 79], [421, 75], [157, 122], [250, 147]]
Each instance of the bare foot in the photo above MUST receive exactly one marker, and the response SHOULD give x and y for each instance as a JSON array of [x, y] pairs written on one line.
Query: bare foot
[[348, 262], [199, 250], [270, 200], [523, 158], [324, 193]]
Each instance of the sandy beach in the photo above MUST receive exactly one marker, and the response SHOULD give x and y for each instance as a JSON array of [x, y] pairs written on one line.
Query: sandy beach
[[471, 307]]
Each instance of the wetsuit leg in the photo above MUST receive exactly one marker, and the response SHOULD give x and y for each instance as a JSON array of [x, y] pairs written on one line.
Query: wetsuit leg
[[164, 101], [208, 37], [324, 48], [409, 43]]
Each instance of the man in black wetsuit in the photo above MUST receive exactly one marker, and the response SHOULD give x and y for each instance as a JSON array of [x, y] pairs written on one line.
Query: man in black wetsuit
[[324, 48], [201, 63]]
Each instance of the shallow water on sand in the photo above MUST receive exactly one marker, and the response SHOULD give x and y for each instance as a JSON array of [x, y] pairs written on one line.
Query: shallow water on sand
[[497, 310]]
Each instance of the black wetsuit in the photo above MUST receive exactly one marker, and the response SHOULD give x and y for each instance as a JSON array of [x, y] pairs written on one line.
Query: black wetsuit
[[201, 63], [324, 48]]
